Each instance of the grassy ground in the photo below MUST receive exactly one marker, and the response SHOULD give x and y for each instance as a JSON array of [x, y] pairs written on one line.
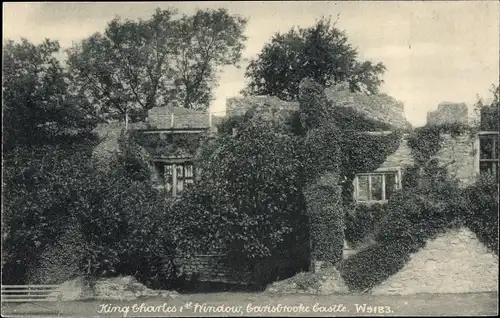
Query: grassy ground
[[249, 304]]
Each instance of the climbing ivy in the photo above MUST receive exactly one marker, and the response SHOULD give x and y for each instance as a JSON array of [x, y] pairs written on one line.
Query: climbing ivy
[[364, 153], [169, 144], [426, 141], [336, 147]]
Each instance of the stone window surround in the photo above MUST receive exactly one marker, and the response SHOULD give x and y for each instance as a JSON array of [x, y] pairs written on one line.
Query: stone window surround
[[175, 162], [380, 171]]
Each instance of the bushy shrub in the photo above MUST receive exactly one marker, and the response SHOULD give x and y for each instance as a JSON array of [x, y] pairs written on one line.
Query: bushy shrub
[[371, 266], [120, 222], [61, 260], [247, 199]]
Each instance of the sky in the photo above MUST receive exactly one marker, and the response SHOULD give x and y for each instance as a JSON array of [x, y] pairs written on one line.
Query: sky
[[434, 51]]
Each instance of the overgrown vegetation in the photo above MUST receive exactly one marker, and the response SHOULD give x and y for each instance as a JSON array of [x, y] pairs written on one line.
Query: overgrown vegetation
[[247, 201], [169, 144], [482, 210], [426, 141], [326, 159], [268, 181], [321, 161], [430, 203], [362, 221], [64, 218], [419, 213]]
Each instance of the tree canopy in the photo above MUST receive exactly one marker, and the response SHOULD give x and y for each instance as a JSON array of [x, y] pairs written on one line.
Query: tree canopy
[[134, 66], [321, 52]]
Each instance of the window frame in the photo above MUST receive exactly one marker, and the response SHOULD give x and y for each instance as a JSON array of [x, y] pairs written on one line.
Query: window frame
[[175, 163], [495, 138], [396, 171]]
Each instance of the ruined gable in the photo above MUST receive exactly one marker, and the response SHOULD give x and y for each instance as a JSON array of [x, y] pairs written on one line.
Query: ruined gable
[[379, 108]]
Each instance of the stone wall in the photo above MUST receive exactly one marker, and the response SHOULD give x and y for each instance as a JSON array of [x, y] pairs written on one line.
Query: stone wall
[[380, 107], [216, 268], [448, 113], [454, 262], [267, 107], [458, 154], [161, 118], [402, 157], [212, 268]]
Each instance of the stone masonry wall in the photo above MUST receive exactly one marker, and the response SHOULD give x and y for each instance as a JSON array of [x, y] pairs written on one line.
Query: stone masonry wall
[[380, 107], [458, 154], [212, 268], [402, 157], [454, 262]]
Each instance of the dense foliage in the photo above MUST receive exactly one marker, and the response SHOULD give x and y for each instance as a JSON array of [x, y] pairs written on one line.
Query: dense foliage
[[321, 156], [482, 212], [426, 141], [247, 200], [419, 213], [38, 104], [326, 219], [362, 222], [320, 52], [169, 145], [64, 218], [373, 265]]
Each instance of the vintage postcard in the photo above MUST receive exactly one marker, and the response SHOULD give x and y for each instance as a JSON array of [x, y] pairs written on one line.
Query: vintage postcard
[[244, 158]]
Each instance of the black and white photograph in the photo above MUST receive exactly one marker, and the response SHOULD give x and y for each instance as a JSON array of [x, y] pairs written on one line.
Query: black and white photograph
[[250, 158]]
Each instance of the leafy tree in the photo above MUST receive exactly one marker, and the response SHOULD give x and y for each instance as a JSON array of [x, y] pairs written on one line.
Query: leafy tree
[[136, 65], [208, 39], [320, 52], [38, 106]]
